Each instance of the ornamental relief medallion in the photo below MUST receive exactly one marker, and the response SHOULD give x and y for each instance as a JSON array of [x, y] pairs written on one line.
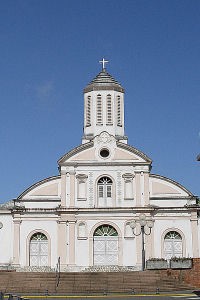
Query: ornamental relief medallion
[[105, 138]]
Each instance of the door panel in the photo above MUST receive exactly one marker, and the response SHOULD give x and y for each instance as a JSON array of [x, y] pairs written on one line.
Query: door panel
[[39, 253], [105, 250]]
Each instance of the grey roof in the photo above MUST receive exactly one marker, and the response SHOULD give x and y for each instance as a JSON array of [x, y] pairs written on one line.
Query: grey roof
[[104, 81]]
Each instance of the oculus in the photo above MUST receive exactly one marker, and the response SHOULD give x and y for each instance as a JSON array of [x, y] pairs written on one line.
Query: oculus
[[104, 153]]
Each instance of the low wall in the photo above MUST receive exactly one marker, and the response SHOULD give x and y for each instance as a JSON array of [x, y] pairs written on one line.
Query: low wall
[[188, 276]]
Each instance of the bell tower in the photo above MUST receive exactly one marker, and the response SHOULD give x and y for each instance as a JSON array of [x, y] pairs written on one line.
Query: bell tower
[[103, 107]]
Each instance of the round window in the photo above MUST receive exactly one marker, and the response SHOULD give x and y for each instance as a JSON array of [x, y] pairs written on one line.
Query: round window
[[104, 153]]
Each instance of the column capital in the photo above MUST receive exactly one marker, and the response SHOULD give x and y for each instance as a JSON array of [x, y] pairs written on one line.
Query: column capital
[[16, 221], [72, 172]]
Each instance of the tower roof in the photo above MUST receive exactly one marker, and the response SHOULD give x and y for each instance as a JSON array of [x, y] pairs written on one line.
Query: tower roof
[[103, 81]]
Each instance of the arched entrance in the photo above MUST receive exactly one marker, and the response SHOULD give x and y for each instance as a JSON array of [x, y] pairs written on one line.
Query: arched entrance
[[105, 241], [173, 245], [38, 250]]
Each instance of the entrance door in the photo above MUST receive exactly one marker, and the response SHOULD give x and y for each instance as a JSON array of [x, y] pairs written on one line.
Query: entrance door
[[173, 245], [39, 250], [105, 246]]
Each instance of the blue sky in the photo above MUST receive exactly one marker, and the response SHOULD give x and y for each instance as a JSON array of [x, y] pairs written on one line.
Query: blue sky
[[49, 51]]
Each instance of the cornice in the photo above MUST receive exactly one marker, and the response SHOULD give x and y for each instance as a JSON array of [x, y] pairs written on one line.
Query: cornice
[[104, 211], [103, 163]]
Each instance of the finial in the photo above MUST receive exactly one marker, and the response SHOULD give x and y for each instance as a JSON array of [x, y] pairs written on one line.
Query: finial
[[103, 62]]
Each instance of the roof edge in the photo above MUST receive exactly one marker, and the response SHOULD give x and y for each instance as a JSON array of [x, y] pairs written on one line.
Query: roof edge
[[134, 150], [174, 182], [75, 151], [37, 184]]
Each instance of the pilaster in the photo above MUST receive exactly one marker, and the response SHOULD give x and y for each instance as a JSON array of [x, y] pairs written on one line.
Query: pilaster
[[138, 188], [63, 188], [72, 188], [194, 229], [72, 242], [146, 188], [16, 242], [62, 242]]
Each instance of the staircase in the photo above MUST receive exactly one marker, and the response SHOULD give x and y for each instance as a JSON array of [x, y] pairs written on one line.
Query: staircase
[[88, 282]]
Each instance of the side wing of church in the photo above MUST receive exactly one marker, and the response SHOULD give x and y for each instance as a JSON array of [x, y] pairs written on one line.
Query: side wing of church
[[91, 214]]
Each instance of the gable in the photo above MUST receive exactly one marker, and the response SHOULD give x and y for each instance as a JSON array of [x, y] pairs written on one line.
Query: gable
[[46, 188], [164, 187], [50, 189], [126, 155], [85, 155], [90, 152]]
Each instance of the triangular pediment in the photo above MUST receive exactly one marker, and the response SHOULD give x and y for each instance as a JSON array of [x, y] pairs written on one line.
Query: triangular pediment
[[125, 152], [118, 152]]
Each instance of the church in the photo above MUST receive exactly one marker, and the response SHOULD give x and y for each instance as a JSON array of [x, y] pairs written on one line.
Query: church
[[104, 207]]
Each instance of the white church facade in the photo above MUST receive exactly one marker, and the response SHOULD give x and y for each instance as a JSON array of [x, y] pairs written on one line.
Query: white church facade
[[89, 215]]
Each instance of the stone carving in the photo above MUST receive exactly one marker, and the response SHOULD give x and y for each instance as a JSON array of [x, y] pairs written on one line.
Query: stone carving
[[105, 138]]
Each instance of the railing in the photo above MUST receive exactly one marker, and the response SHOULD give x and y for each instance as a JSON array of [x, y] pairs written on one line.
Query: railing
[[57, 273]]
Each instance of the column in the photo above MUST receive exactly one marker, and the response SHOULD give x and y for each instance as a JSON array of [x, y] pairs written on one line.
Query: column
[[16, 242], [72, 242], [62, 242], [194, 229]]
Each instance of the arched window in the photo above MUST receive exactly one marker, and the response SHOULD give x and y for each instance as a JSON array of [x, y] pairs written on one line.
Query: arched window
[[119, 111], [173, 245], [99, 111], [88, 111], [38, 250], [105, 245], [104, 192], [105, 230], [109, 120]]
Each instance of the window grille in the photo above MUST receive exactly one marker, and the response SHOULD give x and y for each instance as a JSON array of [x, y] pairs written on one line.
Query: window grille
[[88, 111], [105, 230], [119, 112], [99, 111], [109, 120]]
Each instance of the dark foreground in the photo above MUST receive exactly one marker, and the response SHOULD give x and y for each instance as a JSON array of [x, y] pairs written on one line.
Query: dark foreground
[[187, 295]]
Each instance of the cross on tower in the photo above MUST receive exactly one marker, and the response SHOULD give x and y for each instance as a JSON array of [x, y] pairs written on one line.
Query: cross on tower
[[103, 62]]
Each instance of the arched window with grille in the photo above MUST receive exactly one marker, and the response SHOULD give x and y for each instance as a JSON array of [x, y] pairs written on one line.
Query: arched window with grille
[[38, 250], [109, 117], [104, 192], [173, 246], [99, 111]]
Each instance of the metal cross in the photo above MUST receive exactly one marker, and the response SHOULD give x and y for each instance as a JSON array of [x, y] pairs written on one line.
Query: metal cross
[[103, 62]]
